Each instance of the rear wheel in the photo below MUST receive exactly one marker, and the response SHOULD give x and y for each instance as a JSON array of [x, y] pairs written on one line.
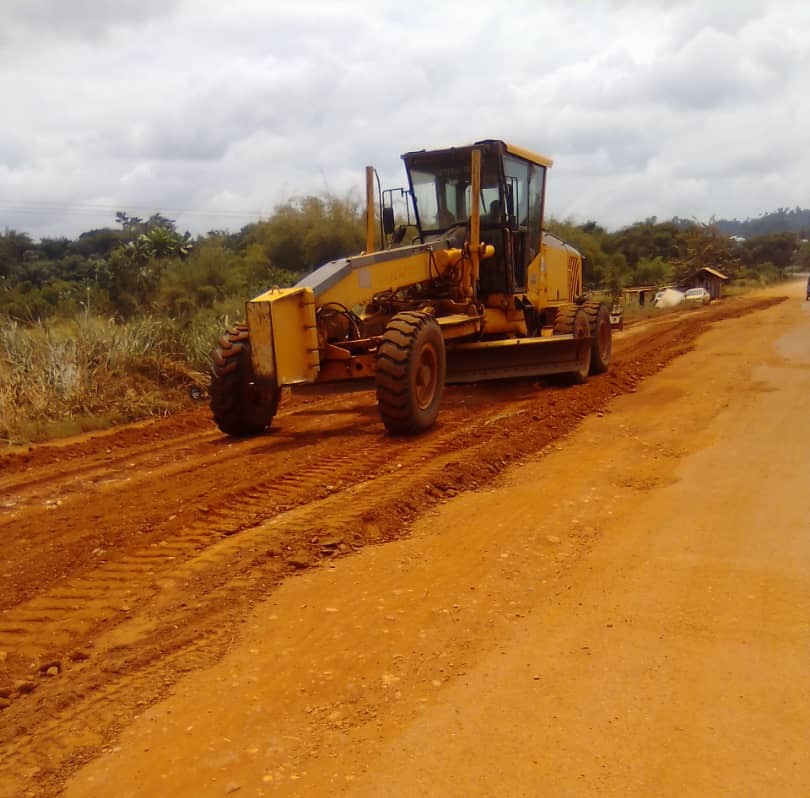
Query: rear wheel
[[241, 405], [602, 335], [572, 320], [411, 369]]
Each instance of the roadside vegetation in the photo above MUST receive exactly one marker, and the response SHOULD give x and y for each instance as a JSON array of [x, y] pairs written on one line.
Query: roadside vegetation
[[118, 324]]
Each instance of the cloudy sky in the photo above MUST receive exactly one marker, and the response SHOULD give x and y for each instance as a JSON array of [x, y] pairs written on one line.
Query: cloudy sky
[[214, 112]]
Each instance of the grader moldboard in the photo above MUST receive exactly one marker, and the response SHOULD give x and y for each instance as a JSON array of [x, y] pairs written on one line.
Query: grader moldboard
[[481, 292]]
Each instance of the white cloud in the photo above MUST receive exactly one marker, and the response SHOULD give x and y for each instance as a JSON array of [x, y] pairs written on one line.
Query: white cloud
[[81, 19], [220, 111]]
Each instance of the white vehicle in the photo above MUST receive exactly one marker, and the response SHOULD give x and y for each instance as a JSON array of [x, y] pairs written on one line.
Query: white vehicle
[[668, 298], [698, 295]]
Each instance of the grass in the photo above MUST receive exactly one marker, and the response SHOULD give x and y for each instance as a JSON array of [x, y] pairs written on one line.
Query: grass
[[63, 377]]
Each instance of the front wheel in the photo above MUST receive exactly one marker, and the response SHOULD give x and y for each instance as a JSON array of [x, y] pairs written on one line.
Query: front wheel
[[411, 368], [240, 404]]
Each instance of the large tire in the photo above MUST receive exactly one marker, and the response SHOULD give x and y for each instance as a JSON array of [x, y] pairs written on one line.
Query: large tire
[[572, 320], [411, 368], [241, 406], [602, 334]]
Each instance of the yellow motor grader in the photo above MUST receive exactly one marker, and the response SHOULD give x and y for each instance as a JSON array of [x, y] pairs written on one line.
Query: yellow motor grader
[[480, 292]]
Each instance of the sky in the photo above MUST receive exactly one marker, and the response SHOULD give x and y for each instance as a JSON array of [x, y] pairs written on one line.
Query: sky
[[213, 113]]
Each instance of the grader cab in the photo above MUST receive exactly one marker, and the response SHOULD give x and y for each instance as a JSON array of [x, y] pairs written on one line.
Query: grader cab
[[480, 293]]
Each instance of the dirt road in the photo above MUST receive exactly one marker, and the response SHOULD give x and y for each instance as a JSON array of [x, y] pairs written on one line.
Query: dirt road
[[624, 613]]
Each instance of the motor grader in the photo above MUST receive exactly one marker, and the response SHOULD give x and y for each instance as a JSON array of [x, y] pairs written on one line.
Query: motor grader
[[479, 292]]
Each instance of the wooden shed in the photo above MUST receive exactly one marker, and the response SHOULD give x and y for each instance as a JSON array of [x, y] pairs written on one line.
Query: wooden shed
[[708, 278], [638, 295]]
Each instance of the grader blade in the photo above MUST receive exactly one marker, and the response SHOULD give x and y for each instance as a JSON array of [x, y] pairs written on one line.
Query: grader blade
[[526, 357]]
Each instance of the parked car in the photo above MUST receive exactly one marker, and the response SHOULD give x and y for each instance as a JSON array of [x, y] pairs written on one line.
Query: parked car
[[698, 295]]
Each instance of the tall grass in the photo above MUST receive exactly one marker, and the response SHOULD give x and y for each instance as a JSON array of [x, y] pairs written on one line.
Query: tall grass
[[60, 377]]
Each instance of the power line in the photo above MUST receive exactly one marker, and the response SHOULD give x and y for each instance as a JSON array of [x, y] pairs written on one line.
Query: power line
[[42, 206]]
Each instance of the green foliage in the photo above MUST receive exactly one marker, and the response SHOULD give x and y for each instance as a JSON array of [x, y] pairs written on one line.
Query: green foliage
[[134, 226], [13, 247], [131, 279], [162, 243], [617, 274], [653, 271], [133, 272], [306, 233], [645, 240], [147, 266], [211, 273], [705, 245], [764, 274], [659, 253], [778, 249], [54, 249], [261, 274], [97, 243], [801, 259], [589, 239]]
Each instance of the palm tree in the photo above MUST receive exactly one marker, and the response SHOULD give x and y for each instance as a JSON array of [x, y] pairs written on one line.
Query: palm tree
[[158, 244]]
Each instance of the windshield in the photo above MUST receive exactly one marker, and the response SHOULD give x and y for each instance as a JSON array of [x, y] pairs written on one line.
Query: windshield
[[441, 189]]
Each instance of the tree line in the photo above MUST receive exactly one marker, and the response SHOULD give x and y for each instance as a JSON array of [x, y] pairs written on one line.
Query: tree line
[[147, 266], [783, 220], [665, 253], [142, 266]]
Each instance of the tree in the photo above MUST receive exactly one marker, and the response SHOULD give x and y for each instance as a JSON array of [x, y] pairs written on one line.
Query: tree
[[164, 242], [159, 221], [302, 234], [135, 225], [13, 246], [54, 248], [158, 244], [778, 248], [705, 245], [588, 239], [98, 243]]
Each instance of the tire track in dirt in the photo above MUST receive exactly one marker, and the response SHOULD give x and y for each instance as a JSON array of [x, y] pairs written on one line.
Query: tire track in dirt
[[228, 562], [24, 487], [89, 638], [115, 580], [296, 467]]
